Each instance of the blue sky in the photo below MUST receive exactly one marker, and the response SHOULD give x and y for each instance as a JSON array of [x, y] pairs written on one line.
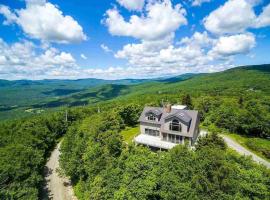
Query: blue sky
[[130, 38]]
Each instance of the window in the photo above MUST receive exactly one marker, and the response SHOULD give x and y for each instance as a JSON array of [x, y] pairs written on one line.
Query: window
[[175, 138], [175, 125], [151, 132], [171, 138], [164, 136], [151, 117], [178, 139]]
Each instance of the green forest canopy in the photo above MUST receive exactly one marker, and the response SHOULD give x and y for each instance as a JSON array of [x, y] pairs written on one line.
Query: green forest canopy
[[26, 99], [101, 166]]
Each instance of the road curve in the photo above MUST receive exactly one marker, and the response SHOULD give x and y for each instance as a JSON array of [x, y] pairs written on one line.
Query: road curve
[[56, 187], [243, 151]]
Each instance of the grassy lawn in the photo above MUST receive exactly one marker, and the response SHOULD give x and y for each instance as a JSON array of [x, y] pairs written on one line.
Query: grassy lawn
[[259, 146], [129, 133]]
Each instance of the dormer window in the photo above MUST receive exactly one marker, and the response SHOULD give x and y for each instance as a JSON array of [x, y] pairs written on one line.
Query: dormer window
[[175, 126], [151, 117]]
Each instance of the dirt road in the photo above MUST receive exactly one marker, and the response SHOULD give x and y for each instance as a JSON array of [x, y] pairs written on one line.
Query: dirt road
[[243, 151], [56, 188]]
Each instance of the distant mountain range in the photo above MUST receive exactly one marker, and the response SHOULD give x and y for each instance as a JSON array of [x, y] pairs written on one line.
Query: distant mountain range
[[89, 82], [20, 95], [74, 83], [26, 97]]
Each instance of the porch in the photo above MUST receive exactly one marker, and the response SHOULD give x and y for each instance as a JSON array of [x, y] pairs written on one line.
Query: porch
[[153, 141]]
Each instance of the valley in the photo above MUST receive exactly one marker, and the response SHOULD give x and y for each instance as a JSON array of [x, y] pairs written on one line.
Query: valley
[[100, 159], [134, 100]]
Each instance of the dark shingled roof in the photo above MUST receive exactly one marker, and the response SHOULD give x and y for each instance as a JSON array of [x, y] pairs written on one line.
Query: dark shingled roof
[[155, 111], [188, 117], [181, 115]]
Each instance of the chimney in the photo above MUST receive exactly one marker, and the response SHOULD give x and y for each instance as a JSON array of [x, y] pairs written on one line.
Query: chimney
[[168, 108]]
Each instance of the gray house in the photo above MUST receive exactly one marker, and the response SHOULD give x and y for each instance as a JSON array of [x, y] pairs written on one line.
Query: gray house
[[163, 128]]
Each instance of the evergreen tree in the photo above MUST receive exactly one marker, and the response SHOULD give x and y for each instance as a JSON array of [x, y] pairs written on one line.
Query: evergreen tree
[[186, 100], [241, 101]]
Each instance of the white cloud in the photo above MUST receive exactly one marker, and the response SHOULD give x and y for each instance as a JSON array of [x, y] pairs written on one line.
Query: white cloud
[[232, 45], [105, 48], [144, 53], [254, 2], [199, 2], [264, 18], [164, 56], [53, 58], [192, 54], [3, 60], [37, 2], [43, 20], [21, 60], [234, 16], [146, 59], [132, 4], [157, 53], [198, 39], [83, 56], [10, 17], [162, 18]]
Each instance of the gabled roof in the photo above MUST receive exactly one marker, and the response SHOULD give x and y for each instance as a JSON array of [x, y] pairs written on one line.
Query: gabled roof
[[181, 115], [187, 117], [155, 111]]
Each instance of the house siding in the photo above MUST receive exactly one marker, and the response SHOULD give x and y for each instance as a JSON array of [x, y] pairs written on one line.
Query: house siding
[[189, 120], [144, 125], [166, 127], [197, 130], [148, 114]]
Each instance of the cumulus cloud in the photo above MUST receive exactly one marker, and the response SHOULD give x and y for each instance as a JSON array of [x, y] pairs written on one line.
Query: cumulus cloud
[[156, 53], [234, 16], [83, 56], [150, 72], [161, 19], [235, 44], [21, 60], [198, 39], [37, 2], [264, 18], [163, 55], [159, 54], [146, 51], [10, 17], [53, 58], [146, 59], [132, 4], [43, 20], [105, 48], [194, 53], [254, 2], [199, 2]]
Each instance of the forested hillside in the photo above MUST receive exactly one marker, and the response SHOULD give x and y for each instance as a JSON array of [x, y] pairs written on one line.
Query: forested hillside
[[24, 147], [27, 98], [102, 166]]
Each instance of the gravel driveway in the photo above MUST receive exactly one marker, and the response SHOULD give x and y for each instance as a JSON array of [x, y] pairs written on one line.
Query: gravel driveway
[[56, 188], [243, 151]]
